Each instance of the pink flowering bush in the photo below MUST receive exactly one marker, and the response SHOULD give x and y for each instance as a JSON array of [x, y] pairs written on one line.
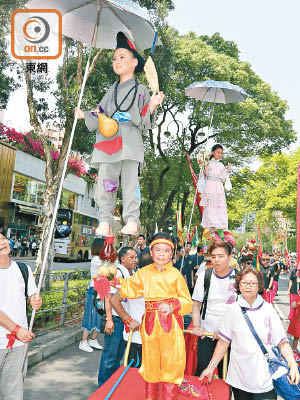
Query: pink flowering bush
[[55, 155], [23, 141], [76, 166], [31, 145]]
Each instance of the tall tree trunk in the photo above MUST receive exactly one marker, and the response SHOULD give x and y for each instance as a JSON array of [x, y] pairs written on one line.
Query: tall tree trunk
[[167, 208], [47, 220], [184, 200]]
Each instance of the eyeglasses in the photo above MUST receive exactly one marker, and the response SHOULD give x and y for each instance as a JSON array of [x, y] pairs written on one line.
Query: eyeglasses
[[250, 284], [248, 263]]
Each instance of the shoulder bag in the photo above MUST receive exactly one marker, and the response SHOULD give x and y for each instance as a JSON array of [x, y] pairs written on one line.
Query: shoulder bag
[[278, 367]]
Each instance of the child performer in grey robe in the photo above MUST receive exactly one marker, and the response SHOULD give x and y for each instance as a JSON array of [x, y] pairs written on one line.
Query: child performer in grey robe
[[130, 104]]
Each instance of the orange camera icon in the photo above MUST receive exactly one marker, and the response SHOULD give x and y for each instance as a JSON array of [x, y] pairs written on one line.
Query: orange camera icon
[[36, 34]]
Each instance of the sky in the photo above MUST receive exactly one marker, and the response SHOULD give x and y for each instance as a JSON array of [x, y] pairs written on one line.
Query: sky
[[266, 32]]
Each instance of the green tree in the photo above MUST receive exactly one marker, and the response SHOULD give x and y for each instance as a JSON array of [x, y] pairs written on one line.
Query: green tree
[[66, 93], [270, 195], [220, 45], [258, 126], [7, 65], [255, 126]]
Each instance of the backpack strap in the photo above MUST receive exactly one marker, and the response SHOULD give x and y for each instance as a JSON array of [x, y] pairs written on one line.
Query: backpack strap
[[25, 274], [207, 279], [121, 272]]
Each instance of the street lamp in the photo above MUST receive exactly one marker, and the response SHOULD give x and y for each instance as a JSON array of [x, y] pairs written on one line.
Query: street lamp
[[184, 129], [178, 123]]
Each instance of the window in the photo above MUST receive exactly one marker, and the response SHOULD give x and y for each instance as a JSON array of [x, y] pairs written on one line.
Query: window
[[28, 189], [32, 191], [68, 200]]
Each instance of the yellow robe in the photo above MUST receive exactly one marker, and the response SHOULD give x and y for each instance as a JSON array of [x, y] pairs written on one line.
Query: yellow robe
[[163, 352]]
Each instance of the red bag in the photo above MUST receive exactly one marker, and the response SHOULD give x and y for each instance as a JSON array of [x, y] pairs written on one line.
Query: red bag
[[200, 391], [191, 342]]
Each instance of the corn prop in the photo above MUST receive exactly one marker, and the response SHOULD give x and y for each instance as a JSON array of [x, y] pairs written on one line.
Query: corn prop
[[101, 283], [150, 70]]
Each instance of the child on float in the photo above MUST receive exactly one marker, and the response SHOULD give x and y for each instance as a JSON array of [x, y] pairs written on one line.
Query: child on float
[[121, 155], [167, 300], [213, 200]]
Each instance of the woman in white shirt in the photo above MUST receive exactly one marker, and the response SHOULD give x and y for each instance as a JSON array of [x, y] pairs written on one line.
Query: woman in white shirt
[[248, 372], [91, 319]]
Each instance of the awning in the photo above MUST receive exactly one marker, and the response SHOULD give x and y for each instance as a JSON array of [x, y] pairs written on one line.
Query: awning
[[29, 210]]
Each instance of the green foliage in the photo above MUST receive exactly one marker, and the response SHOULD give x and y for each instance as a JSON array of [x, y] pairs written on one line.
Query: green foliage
[[270, 195], [159, 8], [242, 238], [221, 46], [274, 188], [54, 300], [7, 83]]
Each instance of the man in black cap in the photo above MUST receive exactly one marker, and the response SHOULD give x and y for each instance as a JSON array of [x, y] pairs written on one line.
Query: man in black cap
[[121, 155]]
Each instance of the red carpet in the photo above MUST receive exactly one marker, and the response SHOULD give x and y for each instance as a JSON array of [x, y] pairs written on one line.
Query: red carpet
[[132, 387]]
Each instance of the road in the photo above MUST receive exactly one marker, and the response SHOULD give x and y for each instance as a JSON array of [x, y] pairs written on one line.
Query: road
[[72, 374], [58, 266]]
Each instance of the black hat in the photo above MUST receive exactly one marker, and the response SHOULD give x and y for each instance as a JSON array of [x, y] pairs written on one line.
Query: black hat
[[124, 43]]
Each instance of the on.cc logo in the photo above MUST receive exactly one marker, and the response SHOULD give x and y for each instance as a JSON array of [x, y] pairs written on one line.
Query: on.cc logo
[[36, 29]]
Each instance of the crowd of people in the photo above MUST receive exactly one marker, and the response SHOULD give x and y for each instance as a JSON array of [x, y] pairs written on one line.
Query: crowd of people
[[213, 285], [212, 288], [23, 246]]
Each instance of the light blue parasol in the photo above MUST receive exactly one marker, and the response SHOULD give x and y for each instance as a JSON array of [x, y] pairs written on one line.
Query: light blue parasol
[[216, 92]]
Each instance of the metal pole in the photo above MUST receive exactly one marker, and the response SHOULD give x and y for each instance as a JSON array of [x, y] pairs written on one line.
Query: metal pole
[[211, 117], [190, 222], [65, 297], [50, 236]]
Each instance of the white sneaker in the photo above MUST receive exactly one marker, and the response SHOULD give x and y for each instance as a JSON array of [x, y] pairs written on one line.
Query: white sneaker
[[85, 347], [94, 343]]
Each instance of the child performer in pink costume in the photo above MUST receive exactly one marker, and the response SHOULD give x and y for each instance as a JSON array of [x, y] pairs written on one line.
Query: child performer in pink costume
[[213, 199]]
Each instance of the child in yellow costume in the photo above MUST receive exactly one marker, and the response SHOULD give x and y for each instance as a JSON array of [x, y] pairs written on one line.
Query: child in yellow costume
[[167, 299]]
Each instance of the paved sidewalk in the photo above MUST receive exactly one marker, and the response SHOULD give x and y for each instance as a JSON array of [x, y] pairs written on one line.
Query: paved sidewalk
[[46, 345], [70, 374]]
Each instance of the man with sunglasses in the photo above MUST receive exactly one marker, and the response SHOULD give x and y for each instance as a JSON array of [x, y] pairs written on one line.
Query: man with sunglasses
[[267, 271], [246, 261]]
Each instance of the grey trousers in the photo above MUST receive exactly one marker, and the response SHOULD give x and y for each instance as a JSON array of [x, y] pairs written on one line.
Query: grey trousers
[[107, 187], [11, 378]]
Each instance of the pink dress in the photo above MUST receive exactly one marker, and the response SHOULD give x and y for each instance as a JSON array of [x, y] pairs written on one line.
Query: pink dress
[[213, 199]]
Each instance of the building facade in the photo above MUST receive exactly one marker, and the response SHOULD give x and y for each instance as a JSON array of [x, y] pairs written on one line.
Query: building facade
[[22, 189]]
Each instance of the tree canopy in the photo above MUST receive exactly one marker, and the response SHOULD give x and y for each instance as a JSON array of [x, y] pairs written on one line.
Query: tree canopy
[[269, 195], [257, 127]]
